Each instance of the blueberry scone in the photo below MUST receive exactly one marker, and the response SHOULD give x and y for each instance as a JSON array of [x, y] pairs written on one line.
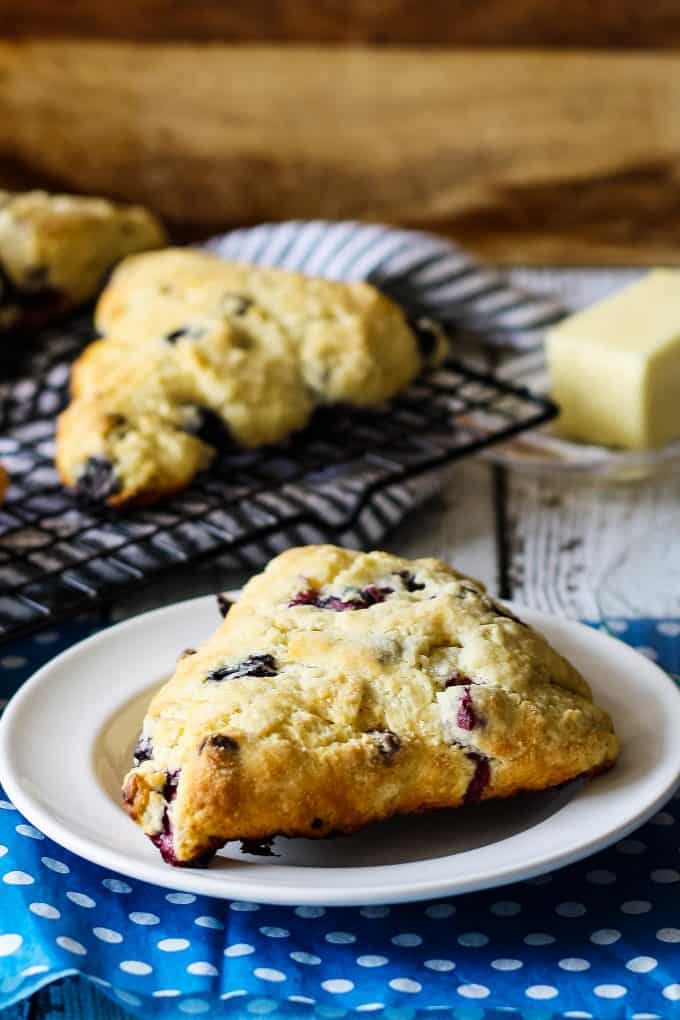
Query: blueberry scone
[[56, 249], [198, 351], [344, 688]]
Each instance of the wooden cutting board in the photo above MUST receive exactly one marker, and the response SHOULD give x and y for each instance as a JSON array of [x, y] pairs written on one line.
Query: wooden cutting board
[[528, 156]]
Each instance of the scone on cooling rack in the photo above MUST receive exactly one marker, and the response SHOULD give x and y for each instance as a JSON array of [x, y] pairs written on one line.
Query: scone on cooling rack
[[344, 688], [56, 249], [195, 346]]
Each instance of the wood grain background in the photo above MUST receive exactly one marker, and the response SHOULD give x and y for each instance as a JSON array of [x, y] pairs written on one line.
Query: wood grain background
[[532, 130]]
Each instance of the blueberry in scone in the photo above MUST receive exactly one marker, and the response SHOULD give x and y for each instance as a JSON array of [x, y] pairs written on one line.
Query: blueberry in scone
[[56, 249], [344, 688], [193, 344]]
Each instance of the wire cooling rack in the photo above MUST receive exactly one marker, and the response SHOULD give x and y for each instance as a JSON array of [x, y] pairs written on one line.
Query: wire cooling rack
[[345, 478]]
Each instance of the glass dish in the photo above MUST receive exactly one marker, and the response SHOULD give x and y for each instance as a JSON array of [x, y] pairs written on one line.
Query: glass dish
[[638, 594], [542, 452]]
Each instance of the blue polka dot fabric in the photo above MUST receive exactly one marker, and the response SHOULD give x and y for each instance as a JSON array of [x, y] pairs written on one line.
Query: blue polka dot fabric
[[599, 939]]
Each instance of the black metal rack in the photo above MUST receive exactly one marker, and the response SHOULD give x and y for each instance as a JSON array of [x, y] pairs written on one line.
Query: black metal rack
[[59, 557]]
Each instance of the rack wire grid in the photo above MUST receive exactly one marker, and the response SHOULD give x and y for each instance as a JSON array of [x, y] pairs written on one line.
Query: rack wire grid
[[348, 470]]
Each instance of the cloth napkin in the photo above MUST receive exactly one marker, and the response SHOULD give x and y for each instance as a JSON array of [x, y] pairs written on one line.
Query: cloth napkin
[[598, 939]]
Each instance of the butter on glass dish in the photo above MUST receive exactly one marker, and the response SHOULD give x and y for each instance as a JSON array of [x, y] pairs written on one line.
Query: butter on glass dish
[[614, 370]]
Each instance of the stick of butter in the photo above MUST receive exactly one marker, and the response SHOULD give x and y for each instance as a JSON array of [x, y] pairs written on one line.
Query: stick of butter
[[615, 367]]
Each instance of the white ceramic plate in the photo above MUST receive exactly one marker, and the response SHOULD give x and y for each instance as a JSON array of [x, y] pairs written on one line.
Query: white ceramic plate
[[66, 740]]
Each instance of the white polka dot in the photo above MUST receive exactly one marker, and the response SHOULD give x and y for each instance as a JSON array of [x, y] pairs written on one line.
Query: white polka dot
[[127, 997], [18, 878], [261, 1006], [310, 911], [6, 805], [668, 935], [340, 938], [173, 945], [239, 949], [579, 1014], [605, 936], [372, 961], [141, 917], [9, 944], [636, 907], [45, 910], [473, 939], [29, 831], [505, 908], [71, 945], [203, 969], [107, 935], [275, 933], [541, 992], [3, 850], [663, 818], [307, 958], [96, 980], [331, 1012], [234, 994], [665, 876], [671, 992], [573, 963], [13, 661], [304, 999], [642, 964], [438, 911], [336, 986], [539, 938], [57, 866], [194, 1006], [81, 900], [370, 1007], [39, 968], [405, 985], [570, 909], [135, 967], [631, 846], [601, 877], [209, 922], [166, 993], [180, 897], [115, 885], [610, 991], [473, 991], [506, 964], [374, 911], [407, 939], [646, 1016], [243, 907], [269, 974], [47, 637], [440, 966]]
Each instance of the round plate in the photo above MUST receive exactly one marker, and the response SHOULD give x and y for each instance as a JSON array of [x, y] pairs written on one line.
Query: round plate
[[66, 741], [543, 452]]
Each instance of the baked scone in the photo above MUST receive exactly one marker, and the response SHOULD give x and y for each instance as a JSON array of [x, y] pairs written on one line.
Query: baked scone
[[4, 483], [56, 249], [190, 338], [344, 688]]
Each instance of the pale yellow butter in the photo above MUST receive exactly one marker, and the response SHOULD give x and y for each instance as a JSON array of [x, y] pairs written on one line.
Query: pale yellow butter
[[615, 367]]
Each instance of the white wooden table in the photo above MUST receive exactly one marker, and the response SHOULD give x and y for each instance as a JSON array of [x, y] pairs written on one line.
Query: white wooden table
[[543, 543]]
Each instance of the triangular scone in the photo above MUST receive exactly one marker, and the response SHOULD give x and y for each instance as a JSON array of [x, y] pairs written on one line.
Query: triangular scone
[[347, 687]]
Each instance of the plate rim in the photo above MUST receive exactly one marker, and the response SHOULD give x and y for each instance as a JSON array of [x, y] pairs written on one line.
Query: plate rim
[[306, 892]]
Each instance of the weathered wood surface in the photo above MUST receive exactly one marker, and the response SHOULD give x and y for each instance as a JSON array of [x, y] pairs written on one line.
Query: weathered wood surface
[[439, 22], [526, 156]]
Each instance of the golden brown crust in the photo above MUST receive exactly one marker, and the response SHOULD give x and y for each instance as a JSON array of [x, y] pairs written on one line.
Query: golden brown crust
[[345, 688], [4, 483], [56, 249], [258, 349]]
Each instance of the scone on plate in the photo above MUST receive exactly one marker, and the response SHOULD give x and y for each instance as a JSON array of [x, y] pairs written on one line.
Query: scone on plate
[[56, 249], [344, 688], [194, 345]]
